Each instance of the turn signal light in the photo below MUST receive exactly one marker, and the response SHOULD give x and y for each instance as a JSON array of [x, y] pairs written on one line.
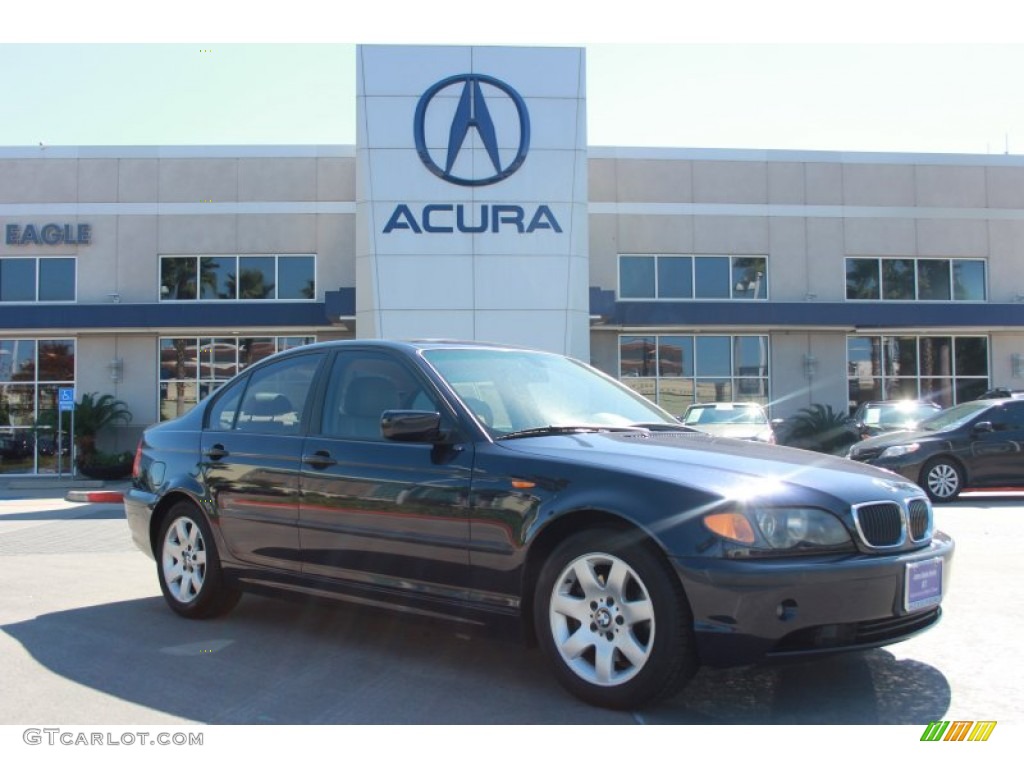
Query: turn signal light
[[137, 463], [732, 526]]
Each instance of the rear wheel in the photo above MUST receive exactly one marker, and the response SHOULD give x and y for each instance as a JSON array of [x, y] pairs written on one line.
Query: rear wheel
[[613, 621], [188, 567], [942, 479]]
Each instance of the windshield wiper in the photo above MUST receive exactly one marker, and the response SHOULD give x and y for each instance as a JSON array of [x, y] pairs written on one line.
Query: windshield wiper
[[570, 429]]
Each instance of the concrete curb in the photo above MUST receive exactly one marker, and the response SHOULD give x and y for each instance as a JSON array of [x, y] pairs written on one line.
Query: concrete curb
[[95, 497]]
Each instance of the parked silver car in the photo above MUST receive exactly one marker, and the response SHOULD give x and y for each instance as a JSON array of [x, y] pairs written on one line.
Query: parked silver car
[[744, 421]]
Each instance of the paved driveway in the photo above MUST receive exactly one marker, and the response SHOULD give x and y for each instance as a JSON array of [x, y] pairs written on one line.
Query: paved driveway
[[86, 638]]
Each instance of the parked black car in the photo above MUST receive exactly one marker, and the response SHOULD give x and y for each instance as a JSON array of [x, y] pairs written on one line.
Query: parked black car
[[975, 444], [489, 482], [876, 417], [1000, 392]]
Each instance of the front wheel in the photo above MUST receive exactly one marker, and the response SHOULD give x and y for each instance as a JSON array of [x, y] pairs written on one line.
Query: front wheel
[[613, 621], [942, 479], [188, 566]]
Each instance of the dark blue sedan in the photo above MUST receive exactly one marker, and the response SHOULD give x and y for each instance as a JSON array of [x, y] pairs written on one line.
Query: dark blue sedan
[[489, 483]]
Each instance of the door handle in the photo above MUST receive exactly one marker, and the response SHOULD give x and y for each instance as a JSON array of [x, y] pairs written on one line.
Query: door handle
[[216, 452], [319, 460]]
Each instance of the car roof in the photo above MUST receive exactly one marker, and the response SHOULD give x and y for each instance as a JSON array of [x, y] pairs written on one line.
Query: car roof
[[1002, 393], [725, 405], [413, 344], [898, 402]]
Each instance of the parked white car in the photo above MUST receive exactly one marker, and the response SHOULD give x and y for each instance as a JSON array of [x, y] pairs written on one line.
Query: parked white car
[[744, 421]]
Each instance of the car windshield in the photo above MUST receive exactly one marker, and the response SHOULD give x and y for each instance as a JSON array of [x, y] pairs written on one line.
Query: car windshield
[[897, 413], [954, 417], [512, 391], [725, 414]]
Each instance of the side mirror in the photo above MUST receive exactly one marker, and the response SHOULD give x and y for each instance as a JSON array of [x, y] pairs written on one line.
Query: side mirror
[[984, 426], [411, 426]]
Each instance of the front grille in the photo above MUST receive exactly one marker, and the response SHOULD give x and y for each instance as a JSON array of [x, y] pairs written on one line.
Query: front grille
[[880, 525], [920, 519], [887, 524]]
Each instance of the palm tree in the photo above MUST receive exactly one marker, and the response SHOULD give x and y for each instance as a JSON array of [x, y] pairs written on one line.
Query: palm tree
[[819, 428], [250, 285], [181, 360], [178, 278], [862, 279], [93, 414]]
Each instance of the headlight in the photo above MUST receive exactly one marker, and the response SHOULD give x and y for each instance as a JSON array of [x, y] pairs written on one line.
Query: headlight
[[788, 528], [898, 450], [779, 529]]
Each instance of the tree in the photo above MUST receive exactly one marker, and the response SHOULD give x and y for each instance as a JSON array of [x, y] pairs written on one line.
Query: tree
[[250, 285], [818, 428], [93, 414]]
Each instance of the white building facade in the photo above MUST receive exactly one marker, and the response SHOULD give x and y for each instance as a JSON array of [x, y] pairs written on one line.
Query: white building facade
[[472, 207]]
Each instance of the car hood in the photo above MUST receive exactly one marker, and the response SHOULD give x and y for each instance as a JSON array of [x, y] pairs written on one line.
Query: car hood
[[898, 437], [722, 466]]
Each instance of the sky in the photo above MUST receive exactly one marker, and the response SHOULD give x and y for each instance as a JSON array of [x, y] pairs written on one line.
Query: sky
[[899, 76]]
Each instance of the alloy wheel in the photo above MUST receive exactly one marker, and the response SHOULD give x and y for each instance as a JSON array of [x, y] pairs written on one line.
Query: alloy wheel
[[602, 619], [184, 560], [943, 481]]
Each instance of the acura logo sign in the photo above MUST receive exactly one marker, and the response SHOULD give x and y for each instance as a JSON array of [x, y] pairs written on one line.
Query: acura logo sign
[[472, 112], [451, 110]]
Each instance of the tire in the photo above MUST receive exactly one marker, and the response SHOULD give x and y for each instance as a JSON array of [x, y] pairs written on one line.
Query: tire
[[942, 479], [188, 566], [613, 621]]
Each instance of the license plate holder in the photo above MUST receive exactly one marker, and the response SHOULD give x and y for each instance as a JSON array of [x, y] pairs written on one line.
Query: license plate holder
[[922, 585]]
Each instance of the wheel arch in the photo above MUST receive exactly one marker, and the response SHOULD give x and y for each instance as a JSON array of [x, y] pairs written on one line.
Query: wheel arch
[[943, 457], [163, 508], [949, 458], [553, 534]]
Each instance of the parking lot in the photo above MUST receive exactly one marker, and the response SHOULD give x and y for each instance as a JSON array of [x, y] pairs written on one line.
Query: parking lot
[[86, 638]]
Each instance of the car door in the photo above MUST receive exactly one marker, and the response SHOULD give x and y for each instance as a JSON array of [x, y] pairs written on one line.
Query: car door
[[998, 453], [375, 511], [249, 457]]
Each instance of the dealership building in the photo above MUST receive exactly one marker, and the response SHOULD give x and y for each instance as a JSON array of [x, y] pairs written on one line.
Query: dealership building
[[472, 207]]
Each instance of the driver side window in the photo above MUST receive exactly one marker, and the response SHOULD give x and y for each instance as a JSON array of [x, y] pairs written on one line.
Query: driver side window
[[361, 387], [1009, 417]]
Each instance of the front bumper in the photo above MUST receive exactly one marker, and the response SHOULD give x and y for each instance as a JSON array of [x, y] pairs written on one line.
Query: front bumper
[[746, 611]]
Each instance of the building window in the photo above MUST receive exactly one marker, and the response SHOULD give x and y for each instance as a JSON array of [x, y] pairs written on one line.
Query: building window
[[945, 369], [677, 370], [915, 279], [37, 279], [193, 367], [237, 278], [31, 373], [692, 277]]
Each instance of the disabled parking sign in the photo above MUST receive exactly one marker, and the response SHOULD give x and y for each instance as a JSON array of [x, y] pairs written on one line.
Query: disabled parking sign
[[66, 398]]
